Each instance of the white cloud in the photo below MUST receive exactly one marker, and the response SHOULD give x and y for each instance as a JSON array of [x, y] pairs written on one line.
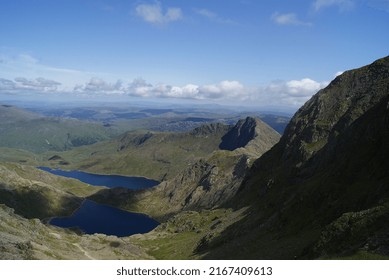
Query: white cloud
[[304, 87], [293, 92], [190, 91], [24, 84], [154, 14], [289, 93], [206, 13], [278, 93], [225, 90], [288, 19], [27, 59], [139, 87], [97, 85], [213, 16], [6, 84], [342, 5]]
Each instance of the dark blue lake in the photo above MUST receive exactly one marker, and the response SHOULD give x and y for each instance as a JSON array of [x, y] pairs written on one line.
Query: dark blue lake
[[94, 217], [110, 181]]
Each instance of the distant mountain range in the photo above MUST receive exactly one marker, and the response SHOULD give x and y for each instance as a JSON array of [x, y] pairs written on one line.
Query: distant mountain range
[[23, 129], [42, 129]]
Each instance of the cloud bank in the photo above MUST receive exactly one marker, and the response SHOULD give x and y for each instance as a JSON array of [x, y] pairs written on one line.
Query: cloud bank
[[69, 83], [286, 93], [24, 84]]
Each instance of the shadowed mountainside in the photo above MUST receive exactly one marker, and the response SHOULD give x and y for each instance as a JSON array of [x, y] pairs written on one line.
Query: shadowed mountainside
[[35, 194], [322, 191]]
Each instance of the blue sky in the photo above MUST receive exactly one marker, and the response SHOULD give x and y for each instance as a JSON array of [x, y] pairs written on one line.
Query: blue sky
[[247, 52]]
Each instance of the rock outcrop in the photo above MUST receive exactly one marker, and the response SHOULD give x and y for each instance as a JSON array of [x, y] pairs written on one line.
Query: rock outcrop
[[250, 131]]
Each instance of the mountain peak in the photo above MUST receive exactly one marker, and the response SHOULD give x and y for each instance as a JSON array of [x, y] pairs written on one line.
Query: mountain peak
[[244, 131]]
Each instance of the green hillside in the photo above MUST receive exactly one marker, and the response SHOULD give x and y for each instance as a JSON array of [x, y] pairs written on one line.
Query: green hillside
[[22, 129]]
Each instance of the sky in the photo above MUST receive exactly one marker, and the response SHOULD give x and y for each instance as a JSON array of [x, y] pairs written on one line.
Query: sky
[[243, 52]]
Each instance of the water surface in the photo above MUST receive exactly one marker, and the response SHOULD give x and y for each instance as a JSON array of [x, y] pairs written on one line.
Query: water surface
[[110, 181], [94, 217]]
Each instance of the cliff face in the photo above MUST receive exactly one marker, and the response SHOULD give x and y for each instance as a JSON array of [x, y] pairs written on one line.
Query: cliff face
[[206, 184], [249, 131], [242, 133], [322, 191]]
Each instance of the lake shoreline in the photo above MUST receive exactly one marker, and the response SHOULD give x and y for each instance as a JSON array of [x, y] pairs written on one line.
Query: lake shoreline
[[94, 173], [92, 178], [94, 217]]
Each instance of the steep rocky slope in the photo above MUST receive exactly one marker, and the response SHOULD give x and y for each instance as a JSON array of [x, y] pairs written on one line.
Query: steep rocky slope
[[322, 191]]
